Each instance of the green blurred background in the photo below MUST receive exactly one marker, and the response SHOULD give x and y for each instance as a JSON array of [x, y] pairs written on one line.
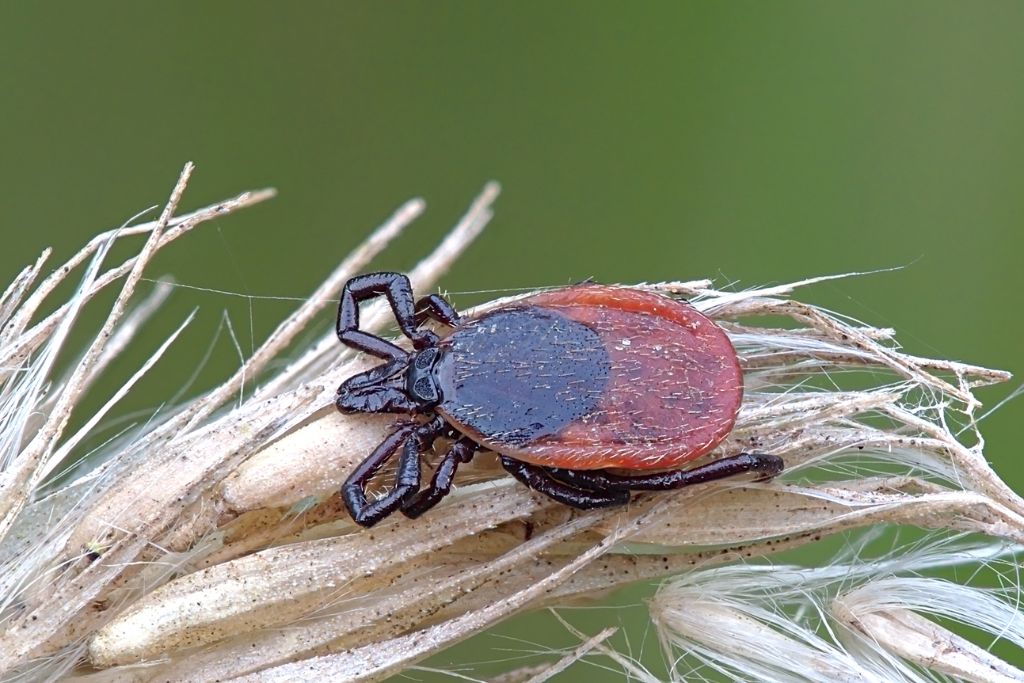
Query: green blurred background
[[748, 142]]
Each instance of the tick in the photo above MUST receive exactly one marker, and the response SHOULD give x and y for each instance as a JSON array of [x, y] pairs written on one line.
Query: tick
[[586, 393]]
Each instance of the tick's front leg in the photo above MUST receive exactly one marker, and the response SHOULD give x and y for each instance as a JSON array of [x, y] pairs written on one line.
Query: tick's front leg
[[398, 290]]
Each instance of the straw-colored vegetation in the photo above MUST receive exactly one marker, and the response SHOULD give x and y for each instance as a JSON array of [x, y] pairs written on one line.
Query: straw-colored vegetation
[[209, 543]]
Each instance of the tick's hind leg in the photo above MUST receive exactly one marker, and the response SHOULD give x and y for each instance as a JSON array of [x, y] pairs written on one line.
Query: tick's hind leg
[[412, 439], [461, 451], [766, 466], [538, 479]]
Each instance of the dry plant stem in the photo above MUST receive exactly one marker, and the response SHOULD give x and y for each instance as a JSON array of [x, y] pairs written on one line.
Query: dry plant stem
[[123, 336], [936, 510], [916, 638], [76, 438], [714, 525], [463, 586], [565, 662], [176, 611], [20, 348], [629, 667], [423, 276], [617, 570], [573, 578], [27, 471], [66, 597], [285, 333], [194, 473], [613, 571], [374, 662], [840, 408], [443, 582], [12, 297], [970, 463]]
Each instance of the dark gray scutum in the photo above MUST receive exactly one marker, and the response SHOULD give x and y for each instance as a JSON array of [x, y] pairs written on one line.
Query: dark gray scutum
[[519, 374]]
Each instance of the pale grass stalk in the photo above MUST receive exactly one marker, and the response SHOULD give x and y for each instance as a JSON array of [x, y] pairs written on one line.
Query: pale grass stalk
[[632, 669], [576, 655], [888, 615], [210, 543], [867, 620]]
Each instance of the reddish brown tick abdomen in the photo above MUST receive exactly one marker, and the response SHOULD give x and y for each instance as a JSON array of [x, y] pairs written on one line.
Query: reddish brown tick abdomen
[[592, 377]]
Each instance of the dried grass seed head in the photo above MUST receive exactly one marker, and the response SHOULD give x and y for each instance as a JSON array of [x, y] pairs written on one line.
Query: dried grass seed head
[[219, 487]]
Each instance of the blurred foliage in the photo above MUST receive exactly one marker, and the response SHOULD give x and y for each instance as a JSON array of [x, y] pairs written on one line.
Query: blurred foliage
[[749, 142]]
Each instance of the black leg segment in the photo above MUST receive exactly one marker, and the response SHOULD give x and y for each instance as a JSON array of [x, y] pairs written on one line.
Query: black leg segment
[[536, 478], [461, 451], [374, 399], [766, 466], [372, 344], [412, 439], [436, 307], [377, 390], [398, 290]]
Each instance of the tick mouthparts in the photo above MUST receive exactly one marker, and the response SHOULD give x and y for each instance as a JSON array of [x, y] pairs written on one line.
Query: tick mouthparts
[[420, 381]]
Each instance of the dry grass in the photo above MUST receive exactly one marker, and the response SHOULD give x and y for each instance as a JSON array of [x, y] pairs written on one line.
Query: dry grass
[[228, 554]]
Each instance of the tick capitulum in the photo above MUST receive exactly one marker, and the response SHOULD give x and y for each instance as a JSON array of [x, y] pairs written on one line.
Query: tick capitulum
[[569, 387]]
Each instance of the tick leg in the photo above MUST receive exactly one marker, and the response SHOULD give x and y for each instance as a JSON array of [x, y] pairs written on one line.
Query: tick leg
[[353, 491], [460, 452], [398, 290], [436, 307], [412, 439], [376, 376], [371, 344], [369, 392], [373, 400], [766, 466], [537, 478]]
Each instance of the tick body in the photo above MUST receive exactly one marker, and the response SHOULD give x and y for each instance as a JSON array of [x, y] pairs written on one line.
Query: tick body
[[572, 388]]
